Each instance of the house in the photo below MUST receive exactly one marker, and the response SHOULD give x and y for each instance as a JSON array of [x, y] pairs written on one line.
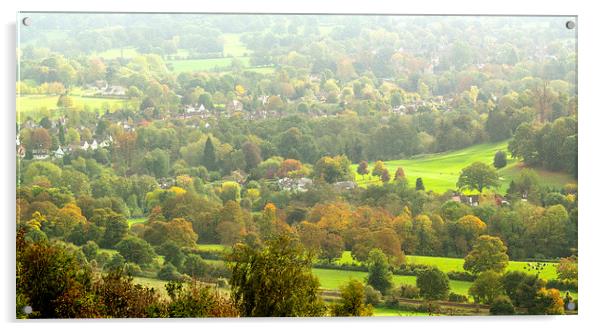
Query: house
[[294, 184], [59, 153], [471, 199], [94, 145], [345, 185], [166, 183], [85, 146], [40, 154], [234, 105]]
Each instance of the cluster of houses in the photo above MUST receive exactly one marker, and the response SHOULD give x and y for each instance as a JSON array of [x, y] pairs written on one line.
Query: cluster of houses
[[103, 88], [61, 151]]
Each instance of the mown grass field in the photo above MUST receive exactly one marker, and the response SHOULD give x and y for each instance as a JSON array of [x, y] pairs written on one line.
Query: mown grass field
[[233, 46], [447, 264], [384, 311], [440, 172], [215, 64], [38, 106]]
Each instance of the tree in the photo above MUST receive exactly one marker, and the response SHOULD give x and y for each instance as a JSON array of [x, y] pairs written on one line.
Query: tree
[[378, 169], [433, 284], [567, 268], [502, 305], [136, 250], [172, 253], [499, 160], [547, 302], [115, 230], [40, 139], [486, 287], [362, 168], [275, 280], [419, 184], [488, 253], [333, 169], [209, 158], [400, 174], [385, 177], [379, 274], [252, 154], [477, 176], [90, 249], [352, 302], [169, 272], [197, 300], [194, 266]]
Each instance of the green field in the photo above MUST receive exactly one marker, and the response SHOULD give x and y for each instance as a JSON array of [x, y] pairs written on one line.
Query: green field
[[136, 220], [333, 279], [38, 106], [233, 46], [447, 264], [440, 171], [384, 311], [211, 247], [216, 64], [157, 284]]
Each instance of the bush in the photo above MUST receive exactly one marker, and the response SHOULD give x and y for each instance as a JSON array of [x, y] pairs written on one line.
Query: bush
[[410, 269], [132, 269], [169, 272], [90, 250], [455, 297], [372, 295], [409, 291], [502, 305], [433, 284]]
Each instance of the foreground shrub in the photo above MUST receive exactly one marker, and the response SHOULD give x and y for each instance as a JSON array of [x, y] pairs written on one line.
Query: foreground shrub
[[197, 300], [502, 305]]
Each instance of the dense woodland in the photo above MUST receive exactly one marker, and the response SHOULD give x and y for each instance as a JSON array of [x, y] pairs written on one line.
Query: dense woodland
[[204, 156]]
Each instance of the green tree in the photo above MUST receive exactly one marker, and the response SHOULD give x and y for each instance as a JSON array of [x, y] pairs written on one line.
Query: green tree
[[488, 253], [136, 250], [477, 176], [379, 168], [352, 302], [433, 284], [194, 266], [209, 158], [275, 280], [500, 160], [419, 184], [116, 228], [172, 253], [486, 287], [379, 274]]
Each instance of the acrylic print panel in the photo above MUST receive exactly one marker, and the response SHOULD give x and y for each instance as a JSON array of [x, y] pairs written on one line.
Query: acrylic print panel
[[227, 165]]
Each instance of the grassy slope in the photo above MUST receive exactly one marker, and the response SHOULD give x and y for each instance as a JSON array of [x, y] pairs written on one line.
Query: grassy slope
[[440, 171]]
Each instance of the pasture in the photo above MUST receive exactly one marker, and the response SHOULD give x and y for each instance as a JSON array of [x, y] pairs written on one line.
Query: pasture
[[447, 264], [440, 171], [38, 106]]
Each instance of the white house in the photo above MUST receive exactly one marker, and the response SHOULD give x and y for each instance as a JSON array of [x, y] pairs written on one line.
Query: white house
[[59, 153]]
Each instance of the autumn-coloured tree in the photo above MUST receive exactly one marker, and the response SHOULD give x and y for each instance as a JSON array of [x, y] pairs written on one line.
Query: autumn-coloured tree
[[400, 174], [385, 177], [287, 166], [40, 139], [362, 168], [378, 169]]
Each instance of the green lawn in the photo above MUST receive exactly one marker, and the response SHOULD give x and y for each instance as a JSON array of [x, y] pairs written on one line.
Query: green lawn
[[38, 106], [440, 171]]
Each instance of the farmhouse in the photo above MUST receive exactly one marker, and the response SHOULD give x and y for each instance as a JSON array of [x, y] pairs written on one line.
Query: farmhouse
[[294, 184], [345, 185]]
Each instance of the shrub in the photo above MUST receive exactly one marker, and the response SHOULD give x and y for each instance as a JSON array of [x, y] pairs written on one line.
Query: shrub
[[409, 291], [433, 284], [372, 295], [502, 305], [169, 272], [455, 297], [563, 285], [462, 276]]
